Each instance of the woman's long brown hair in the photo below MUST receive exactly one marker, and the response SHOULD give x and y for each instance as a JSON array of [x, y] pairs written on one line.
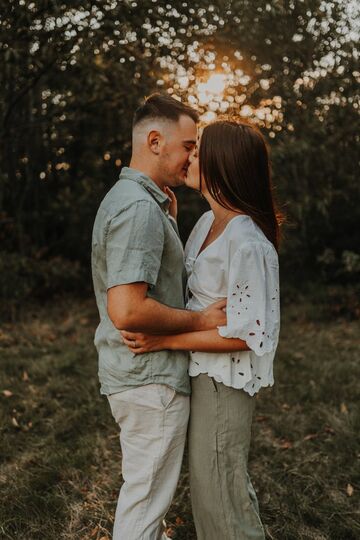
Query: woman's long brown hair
[[234, 162]]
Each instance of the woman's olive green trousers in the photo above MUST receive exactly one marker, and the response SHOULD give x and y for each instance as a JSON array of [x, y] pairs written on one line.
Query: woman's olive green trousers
[[223, 499]]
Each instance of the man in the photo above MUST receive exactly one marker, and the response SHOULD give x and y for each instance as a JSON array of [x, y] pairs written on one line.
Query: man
[[137, 262]]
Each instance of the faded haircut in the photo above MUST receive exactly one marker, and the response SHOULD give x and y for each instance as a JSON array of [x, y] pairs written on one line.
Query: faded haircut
[[162, 106]]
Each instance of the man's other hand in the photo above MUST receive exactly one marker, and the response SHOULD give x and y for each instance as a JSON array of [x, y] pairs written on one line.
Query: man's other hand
[[214, 315]]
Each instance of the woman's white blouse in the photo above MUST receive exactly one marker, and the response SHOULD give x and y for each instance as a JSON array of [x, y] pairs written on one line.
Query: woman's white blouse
[[242, 266]]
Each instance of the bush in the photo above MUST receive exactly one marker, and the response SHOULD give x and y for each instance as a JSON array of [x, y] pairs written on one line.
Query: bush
[[23, 279], [343, 268]]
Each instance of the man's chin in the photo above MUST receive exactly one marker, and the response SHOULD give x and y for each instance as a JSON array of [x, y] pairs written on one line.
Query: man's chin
[[179, 180]]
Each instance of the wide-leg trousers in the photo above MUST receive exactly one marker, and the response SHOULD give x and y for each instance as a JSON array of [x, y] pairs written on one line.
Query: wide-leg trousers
[[153, 423], [223, 499]]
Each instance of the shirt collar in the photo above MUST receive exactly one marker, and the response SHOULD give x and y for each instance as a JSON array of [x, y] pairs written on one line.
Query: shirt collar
[[127, 173]]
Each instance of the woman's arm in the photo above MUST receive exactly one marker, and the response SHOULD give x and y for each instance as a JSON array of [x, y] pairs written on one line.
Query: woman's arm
[[203, 341]]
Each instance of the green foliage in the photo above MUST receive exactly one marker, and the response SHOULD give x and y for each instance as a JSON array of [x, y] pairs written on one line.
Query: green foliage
[[73, 74], [304, 56], [346, 267], [26, 278]]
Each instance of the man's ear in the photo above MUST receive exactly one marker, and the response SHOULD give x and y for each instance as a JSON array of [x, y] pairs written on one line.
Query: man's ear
[[153, 140]]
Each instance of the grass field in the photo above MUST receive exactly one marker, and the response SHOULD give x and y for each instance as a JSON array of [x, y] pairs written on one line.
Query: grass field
[[60, 457]]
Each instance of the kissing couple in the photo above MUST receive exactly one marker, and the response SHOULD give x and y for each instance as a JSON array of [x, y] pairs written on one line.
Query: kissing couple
[[187, 339]]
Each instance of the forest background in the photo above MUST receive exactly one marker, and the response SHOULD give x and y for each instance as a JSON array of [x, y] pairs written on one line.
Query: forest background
[[73, 74]]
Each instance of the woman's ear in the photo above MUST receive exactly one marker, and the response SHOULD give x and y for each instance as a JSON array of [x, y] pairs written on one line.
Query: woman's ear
[[153, 141]]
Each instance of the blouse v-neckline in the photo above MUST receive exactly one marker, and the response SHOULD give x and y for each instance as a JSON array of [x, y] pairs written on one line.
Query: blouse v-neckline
[[200, 251]]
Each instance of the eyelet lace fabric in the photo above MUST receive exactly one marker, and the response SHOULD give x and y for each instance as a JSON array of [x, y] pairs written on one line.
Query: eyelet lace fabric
[[241, 265]]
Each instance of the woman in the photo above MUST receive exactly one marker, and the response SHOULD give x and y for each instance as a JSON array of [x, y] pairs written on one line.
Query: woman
[[232, 252]]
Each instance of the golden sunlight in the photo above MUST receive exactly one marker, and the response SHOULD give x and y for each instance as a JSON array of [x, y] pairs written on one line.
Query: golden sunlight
[[228, 92], [213, 88]]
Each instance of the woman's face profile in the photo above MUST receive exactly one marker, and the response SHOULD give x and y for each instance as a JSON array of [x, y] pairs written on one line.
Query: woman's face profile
[[192, 179]]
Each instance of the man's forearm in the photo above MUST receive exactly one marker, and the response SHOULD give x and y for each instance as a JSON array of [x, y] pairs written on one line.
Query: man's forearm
[[156, 318]]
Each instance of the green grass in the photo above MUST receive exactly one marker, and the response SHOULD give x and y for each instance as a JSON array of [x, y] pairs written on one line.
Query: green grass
[[60, 457]]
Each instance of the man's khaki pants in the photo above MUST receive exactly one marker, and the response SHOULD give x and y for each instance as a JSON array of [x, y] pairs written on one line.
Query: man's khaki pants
[[153, 422]]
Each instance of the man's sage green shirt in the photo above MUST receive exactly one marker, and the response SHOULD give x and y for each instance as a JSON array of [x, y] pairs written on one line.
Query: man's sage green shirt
[[135, 240]]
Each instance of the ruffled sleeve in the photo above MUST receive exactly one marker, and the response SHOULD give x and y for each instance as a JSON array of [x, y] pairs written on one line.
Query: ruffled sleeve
[[253, 303]]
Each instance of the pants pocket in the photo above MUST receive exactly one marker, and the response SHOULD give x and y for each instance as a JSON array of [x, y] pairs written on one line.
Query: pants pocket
[[166, 395]]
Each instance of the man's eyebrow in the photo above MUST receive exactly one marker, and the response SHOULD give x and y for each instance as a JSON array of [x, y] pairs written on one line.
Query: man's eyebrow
[[189, 142]]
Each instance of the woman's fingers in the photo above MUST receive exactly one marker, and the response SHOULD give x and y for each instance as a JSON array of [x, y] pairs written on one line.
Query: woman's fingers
[[131, 339], [129, 335], [137, 350], [130, 346], [170, 193]]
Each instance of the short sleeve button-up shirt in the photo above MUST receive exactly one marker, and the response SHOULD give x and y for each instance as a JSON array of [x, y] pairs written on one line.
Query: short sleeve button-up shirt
[[135, 240]]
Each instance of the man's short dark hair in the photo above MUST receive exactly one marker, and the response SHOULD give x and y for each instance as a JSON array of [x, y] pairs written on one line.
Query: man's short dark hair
[[165, 107]]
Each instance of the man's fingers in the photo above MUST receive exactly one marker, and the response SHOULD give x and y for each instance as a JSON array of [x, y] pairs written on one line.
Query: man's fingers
[[220, 303]]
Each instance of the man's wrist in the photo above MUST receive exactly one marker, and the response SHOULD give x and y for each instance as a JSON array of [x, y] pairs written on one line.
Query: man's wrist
[[200, 321]]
